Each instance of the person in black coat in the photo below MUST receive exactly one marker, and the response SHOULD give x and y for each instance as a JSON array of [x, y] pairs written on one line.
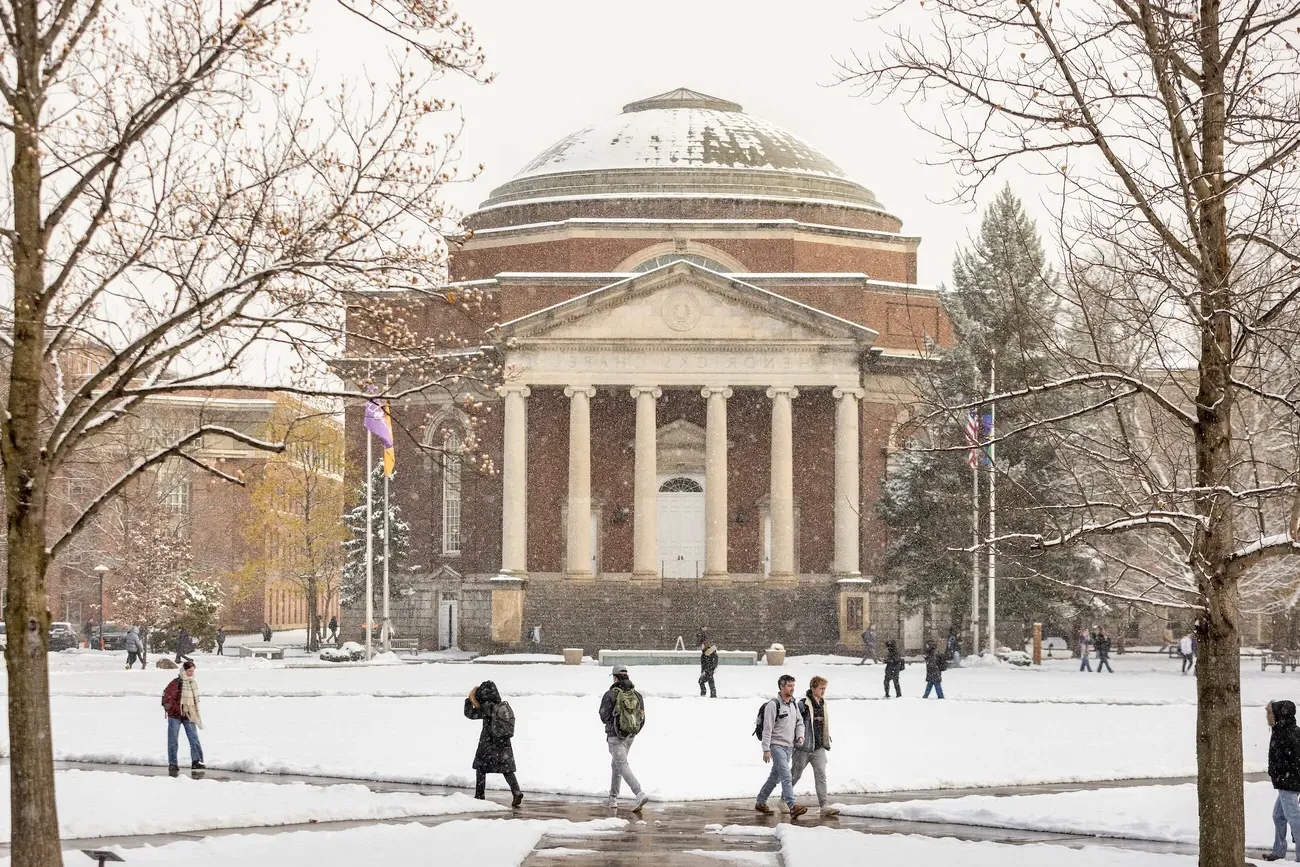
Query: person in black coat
[[495, 755], [1102, 644], [1284, 771], [893, 668], [708, 665], [935, 663]]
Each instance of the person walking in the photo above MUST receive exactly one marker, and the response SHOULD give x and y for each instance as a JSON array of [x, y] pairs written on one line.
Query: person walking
[[1102, 643], [221, 641], [184, 646], [266, 632], [781, 731], [708, 665], [495, 753], [180, 701], [816, 742], [622, 710], [953, 648], [334, 629], [1284, 771], [1185, 651], [894, 664], [1084, 664], [935, 663], [868, 645], [133, 648]]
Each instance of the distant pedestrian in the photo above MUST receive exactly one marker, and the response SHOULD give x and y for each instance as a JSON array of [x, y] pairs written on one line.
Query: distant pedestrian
[[780, 729], [1185, 650], [816, 742], [133, 647], [954, 647], [868, 645], [266, 632], [180, 701], [495, 754], [184, 646], [88, 630], [1102, 643], [1284, 771], [221, 641], [334, 629], [935, 663], [622, 710], [1083, 643], [894, 664], [708, 665]]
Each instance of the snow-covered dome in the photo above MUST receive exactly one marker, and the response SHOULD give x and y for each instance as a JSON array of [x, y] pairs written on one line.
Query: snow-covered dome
[[682, 143]]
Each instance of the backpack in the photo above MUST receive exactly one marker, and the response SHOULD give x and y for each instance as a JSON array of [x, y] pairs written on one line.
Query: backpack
[[502, 723], [629, 712], [758, 722], [171, 696]]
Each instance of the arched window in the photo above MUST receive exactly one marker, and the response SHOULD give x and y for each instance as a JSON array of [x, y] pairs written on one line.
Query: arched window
[[693, 258], [681, 485], [451, 494]]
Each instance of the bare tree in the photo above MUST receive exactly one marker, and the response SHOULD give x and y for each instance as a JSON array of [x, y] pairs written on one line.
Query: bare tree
[[1173, 129], [184, 198]]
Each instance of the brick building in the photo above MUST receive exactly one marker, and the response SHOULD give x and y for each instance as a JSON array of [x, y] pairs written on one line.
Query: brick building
[[706, 332]]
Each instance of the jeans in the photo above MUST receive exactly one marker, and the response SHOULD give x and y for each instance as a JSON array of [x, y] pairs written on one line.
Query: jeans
[[893, 678], [1104, 661], [221, 650], [938, 689], [817, 758], [1286, 811], [780, 773], [619, 768], [173, 736], [1189, 663], [480, 784], [1084, 665], [707, 677]]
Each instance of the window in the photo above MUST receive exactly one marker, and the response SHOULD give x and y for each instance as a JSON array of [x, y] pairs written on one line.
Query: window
[[451, 495], [669, 258], [681, 485], [177, 500], [853, 614]]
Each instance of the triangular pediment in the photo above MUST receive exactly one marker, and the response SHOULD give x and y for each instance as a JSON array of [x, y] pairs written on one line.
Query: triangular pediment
[[682, 302]]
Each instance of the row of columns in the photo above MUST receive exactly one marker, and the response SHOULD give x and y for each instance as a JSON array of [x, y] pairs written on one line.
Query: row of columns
[[514, 513]]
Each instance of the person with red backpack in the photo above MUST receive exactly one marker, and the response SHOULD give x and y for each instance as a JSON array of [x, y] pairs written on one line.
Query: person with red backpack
[[180, 701], [495, 754], [622, 710]]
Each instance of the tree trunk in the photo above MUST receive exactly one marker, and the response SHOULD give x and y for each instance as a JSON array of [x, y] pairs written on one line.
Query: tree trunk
[[1218, 729], [313, 617]]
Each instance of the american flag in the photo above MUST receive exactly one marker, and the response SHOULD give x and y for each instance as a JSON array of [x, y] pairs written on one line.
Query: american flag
[[973, 438]]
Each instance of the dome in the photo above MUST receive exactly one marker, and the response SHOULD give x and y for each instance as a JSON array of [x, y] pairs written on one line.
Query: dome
[[682, 143]]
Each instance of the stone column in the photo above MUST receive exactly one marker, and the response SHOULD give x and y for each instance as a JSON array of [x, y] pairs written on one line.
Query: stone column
[[848, 518], [715, 482], [782, 494], [577, 565], [645, 506], [514, 482]]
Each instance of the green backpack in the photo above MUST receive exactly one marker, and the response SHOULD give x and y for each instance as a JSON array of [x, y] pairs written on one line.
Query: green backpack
[[629, 712]]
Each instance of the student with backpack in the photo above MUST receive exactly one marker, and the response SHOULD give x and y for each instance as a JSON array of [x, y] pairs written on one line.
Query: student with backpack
[[622, 710], [495, 755], [708, 665], [780, 729], [894, 664], [180, 701]]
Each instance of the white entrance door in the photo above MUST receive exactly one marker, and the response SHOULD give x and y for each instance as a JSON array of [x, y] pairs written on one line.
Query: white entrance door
[[681, 526], [448, 623], [913, 632]]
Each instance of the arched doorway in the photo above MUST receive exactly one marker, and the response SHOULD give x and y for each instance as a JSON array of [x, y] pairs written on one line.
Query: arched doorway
[[681, 526]]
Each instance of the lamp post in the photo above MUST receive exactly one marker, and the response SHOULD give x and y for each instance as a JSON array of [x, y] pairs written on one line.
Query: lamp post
[[100, 570]]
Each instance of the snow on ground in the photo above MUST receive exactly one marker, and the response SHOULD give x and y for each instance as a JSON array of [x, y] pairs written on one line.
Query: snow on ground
[[483, 842], [104, 804], [1162, 813], [819, 847]]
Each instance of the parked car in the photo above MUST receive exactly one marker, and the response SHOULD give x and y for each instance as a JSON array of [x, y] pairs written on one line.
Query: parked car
[[62, 636], [4, 638], [114, 636]]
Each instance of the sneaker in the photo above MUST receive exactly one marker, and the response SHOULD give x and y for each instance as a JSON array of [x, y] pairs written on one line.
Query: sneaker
[[611, 803], [764, 809], [829, 812], [1271, 857], [198, 766], [797, 810], [173, 771], [641, 800], [517, 800]]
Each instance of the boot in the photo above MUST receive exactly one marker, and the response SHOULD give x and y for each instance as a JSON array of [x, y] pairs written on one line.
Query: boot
[[198, 766], [173, 771], [517, 800]]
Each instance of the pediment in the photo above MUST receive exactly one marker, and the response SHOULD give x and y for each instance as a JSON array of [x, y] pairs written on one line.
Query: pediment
[[682, 302]]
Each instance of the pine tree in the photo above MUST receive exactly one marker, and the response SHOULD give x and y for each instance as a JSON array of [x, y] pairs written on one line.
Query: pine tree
[[352, 590], [1002, 301]]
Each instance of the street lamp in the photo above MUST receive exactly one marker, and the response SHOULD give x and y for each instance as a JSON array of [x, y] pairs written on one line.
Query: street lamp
[[100, 570]]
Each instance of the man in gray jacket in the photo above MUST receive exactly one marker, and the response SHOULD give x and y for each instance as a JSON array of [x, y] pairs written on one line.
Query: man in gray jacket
[[782, 732], [134, 648]]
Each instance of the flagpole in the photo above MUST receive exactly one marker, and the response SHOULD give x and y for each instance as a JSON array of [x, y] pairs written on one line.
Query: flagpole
[[975, 556], [993, 505], [370, 540], [387, 628]]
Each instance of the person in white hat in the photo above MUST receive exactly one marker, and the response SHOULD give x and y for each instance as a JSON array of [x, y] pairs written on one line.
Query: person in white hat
[[622, 710]]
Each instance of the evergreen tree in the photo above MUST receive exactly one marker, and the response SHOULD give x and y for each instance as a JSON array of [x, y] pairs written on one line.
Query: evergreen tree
[[352, 590], [1002, 302]]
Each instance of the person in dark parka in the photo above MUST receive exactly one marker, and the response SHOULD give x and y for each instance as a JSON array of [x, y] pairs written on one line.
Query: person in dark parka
[[1284, 771], [708, 665], [495, 755], [935, 663], [893, 668]]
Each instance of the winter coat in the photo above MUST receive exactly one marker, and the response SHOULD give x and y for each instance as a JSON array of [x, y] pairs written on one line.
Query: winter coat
[[1103, 646], [1284, 748], [183, 644], [953, 644], [935, 663], [709, 659], [607, 706], [132, 641], [869, 639], [494, 755], [816, 724], [782, 724], [221, 637], [1185, 645], [171, 700], [894, 663]]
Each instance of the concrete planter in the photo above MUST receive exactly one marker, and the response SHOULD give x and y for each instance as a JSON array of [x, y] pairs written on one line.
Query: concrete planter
[[573, 656], [775, 657]]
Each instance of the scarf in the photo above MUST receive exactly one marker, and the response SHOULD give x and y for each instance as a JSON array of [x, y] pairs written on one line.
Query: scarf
[[190, 700], [826, 720]]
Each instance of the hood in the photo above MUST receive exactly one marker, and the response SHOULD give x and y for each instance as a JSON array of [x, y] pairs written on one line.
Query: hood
[[1283, 713], [623, 683], [929, 646], [487, 693], [132, 629], [891, 645]]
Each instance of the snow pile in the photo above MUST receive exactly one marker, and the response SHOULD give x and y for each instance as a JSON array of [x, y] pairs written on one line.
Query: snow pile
[[349, 651], [388, 658]]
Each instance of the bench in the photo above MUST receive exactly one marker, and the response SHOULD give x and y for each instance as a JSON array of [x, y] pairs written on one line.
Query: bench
[[404, 645], [262, 650], [673, 657], [1280, 658]]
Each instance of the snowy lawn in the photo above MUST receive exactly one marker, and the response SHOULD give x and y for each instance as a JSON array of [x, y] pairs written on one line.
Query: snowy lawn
[[1163, 813], [821, 847], [504, 843], [103, 804]]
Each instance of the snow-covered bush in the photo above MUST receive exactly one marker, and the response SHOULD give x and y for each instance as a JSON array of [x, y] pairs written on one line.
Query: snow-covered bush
[[350, 651]]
